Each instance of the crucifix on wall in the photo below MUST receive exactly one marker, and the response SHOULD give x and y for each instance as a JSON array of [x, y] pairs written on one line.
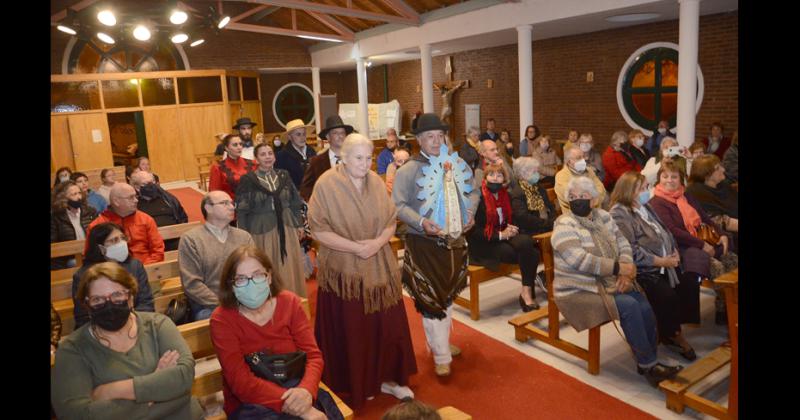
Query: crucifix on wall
[[447, 90]]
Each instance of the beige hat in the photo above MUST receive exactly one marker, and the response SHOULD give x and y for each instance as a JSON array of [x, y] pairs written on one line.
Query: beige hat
[[295, 124]]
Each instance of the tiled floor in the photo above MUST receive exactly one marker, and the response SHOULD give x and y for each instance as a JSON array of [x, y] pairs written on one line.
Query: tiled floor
[[618, 375]]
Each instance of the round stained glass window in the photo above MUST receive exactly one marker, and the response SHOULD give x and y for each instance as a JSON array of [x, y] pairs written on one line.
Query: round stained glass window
[[293, 101]]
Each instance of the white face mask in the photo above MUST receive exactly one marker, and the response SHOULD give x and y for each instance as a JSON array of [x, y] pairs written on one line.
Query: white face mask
[[580, 165], [662, 130], [63, 178], [118, 252], [585, 147], [638, 142], [672, 151], [277, 143]]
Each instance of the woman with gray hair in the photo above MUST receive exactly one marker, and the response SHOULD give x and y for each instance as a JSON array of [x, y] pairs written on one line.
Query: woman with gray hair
[[595, 278], [361, 323], [469, 150]]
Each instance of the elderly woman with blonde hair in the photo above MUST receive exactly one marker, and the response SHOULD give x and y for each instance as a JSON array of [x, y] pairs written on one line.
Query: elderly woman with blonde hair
[[361, 324], [595, 278]]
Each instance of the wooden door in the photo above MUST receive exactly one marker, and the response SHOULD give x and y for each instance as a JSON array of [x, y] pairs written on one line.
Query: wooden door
[[60, 143], [252, 110], [164, 143], [91, 142], [199, 126]]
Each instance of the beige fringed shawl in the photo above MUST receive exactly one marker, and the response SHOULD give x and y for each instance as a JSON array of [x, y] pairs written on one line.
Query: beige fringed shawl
[[337, 206]]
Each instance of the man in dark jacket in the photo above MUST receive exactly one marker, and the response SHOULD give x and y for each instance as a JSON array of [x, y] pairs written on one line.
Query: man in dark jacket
[[296, 155], [159, 204]]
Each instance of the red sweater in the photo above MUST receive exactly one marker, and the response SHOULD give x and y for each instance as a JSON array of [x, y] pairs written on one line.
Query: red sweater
[[617, 163], [233, 336], [144, 241], [219, 179]]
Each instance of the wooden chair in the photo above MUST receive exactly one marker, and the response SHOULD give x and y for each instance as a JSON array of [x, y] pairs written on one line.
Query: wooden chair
[[677, 390], [204, 162]]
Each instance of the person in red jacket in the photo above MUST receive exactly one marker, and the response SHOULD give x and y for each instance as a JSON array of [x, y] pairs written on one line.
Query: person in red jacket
[[144, 241], [257, 315], [617, 160], [717, 143], [224, 175]]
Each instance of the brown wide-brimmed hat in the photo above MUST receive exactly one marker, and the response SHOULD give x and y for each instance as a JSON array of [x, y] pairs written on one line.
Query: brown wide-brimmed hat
[[334, 121], [428, 122]]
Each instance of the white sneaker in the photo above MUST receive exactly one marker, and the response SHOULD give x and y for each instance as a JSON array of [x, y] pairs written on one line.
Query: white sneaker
[[399, 392]]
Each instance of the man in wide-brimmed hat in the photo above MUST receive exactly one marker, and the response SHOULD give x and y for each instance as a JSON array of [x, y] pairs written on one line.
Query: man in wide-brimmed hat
[[245, 127], [435, 264], [296, 155], [335, 131]]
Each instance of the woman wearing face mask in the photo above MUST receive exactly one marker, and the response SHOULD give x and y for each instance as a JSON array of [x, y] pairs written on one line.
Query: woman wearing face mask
[[107, 242], [256, 314], [531, 141], [124, 364], [70, 215], [225, 174], [548, 161], [62, 175], [593, 158], [494, 239], [674, 295], [270, 208], [669, 150], [682, 215], [595, 279], [617, 159], [635, 147]]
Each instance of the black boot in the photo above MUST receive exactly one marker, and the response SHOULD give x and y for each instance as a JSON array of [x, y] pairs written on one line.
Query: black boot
[[658, 373]]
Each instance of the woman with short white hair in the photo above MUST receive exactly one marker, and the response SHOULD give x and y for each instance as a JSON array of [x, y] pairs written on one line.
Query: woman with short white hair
[[360, 314], [595, 278], [469, 150]]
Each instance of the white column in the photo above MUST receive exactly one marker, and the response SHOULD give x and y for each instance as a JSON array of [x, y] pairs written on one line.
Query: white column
[[363, 111], [427, 77], [316, 87], [525, 63], [687, 70]]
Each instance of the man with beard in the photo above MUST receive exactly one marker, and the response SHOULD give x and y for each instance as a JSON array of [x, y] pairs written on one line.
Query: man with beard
[[387, 154], [245, 127]]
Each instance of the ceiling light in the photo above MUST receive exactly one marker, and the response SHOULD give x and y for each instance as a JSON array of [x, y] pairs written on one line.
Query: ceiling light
[[223, 22], [107, 18], [66, 29], [196, 43], [319, 38], [634, 17], [105, 38], [178, 17], [141, 33], [369, 63], [180, 38], [134, 81]]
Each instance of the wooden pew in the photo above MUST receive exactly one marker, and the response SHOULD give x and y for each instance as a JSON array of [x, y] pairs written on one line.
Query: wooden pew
[[523, 324], [66, 273], [94, 176], [478, 275], [677, 390], [75, 248]]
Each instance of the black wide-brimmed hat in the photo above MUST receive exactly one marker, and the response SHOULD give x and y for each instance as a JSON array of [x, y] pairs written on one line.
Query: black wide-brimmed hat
[[334, 121], [429, 121], [243, 121]]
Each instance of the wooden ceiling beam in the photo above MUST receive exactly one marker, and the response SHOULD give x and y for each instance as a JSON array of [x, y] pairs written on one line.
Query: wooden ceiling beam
[[76, 7], [286, 32], [337, 10], [332, 23], [401, 7], [248, 13]]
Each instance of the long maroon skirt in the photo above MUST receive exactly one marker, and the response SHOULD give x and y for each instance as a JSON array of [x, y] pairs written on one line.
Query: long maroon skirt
[[361, 351]]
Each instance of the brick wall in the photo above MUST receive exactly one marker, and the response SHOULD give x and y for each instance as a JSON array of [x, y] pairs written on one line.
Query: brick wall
[[562, 98]]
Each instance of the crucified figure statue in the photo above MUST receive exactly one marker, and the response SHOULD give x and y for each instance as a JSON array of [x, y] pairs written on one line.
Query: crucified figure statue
[[447, 90]]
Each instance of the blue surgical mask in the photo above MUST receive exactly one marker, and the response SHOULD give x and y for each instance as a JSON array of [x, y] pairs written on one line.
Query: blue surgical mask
[[644, 197], [534, 178], [253, 295]]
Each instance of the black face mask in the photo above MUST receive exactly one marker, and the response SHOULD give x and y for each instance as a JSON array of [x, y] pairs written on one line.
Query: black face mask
[[75, 204], [149, 191], [493, 187], [580, 207], [111, 316]]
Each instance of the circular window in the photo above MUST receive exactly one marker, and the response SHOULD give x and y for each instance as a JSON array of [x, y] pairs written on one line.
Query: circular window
[[647, 88], [293, 101], [88, 56]]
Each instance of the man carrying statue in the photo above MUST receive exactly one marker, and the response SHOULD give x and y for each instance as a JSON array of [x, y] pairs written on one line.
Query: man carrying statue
[[436, 197]]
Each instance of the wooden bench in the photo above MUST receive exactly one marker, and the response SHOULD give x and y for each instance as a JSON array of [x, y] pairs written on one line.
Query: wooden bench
[[75, 248], [477, 275], [677, 389], [204, 162], [94, 176]]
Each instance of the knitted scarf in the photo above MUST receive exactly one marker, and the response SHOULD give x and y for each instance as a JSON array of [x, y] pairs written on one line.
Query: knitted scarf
[[492, 218], [691, 219], [532, 196], [604, 241]]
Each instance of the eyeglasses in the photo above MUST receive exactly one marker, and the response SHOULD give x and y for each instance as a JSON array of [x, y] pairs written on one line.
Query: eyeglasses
[[257, 278], [117, 297], [225, 203], [114, 241]]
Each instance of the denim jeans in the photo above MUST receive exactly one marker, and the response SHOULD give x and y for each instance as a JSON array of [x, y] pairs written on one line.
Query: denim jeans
[[639, 324], [199, 311]]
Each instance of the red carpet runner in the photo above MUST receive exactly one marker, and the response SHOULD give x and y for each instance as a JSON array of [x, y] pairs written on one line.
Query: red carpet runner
[[490, 380]]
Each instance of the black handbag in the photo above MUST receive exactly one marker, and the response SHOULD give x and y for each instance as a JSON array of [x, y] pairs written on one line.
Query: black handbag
[[285, 370], [178, 310]]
